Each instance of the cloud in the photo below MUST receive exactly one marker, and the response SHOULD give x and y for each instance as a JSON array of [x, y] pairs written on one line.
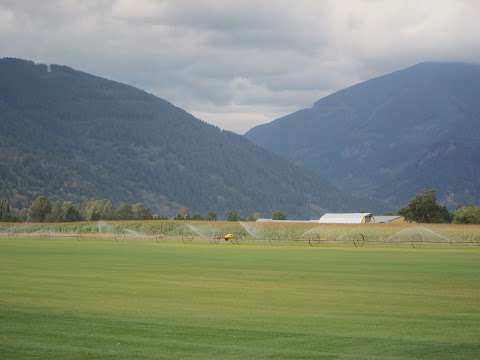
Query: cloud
[[237, 64]]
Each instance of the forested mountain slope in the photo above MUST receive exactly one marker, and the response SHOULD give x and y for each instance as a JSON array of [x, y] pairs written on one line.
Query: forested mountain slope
[[72, 136], [388, 137]]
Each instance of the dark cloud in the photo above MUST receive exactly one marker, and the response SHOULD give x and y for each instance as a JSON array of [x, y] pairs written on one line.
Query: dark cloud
[[238, 63]]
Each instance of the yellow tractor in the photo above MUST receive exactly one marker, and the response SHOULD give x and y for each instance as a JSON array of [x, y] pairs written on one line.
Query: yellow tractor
[[229, 237]]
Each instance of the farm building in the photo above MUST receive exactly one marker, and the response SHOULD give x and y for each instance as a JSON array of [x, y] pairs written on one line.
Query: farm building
[[345, 218], [286, 221], [350, 218], [383, 219]]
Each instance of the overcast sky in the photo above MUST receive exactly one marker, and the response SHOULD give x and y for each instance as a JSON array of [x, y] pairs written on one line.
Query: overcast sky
[[238, 63]]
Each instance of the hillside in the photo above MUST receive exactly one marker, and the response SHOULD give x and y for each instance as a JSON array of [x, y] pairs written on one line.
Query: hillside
[[388, 137], [74, 136]]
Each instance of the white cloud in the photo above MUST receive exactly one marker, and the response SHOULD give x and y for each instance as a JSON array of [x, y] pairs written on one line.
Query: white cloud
[[240, 63]]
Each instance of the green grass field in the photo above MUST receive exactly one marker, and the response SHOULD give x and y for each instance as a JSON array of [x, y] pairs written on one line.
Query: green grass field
[[139, 299]]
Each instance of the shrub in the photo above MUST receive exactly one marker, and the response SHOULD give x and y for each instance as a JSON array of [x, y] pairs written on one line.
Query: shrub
[[278, 215], [233, 216], [467, 215]]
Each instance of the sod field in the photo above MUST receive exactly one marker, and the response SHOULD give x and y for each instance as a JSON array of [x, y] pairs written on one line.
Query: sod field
[[97, 298]]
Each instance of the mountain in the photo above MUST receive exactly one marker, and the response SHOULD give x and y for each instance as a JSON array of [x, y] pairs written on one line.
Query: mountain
[[392, 136], [73, 136], [453, 168]]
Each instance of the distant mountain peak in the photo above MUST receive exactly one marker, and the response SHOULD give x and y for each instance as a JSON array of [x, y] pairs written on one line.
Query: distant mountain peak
[[371, 135]]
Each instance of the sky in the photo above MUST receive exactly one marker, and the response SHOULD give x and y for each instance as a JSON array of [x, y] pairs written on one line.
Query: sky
[[239, 63]]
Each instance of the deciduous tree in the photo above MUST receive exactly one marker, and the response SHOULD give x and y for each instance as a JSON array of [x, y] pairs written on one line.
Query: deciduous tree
[[124, 212], [140, 212], [212, 216], [40, 209], [423, 208], [467, 215], [233, 216], [278, 215]]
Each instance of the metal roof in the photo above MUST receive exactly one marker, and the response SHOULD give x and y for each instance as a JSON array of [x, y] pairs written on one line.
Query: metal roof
[[286, 221], [350, 218], [381, 219]]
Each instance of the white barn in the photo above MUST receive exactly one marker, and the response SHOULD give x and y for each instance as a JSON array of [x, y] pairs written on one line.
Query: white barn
[[345, 218], [349, 218], [286, 221], [385, 219]]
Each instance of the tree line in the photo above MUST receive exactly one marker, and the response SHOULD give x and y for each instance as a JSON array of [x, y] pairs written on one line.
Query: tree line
[[423, 208], [43, 209]]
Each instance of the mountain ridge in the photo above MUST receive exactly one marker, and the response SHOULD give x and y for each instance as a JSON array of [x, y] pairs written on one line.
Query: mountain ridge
[[73, 136], [363, 137]]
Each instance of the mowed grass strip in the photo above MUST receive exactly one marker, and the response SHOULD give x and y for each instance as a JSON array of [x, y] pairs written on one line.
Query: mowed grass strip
[[99, 299]]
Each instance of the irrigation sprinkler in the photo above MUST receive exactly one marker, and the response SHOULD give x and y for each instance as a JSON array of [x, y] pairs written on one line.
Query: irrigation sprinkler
[[318, 241], [215, 238], [186, 238], [416, 238], [117, 236], [359, 242], [157, 236]]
